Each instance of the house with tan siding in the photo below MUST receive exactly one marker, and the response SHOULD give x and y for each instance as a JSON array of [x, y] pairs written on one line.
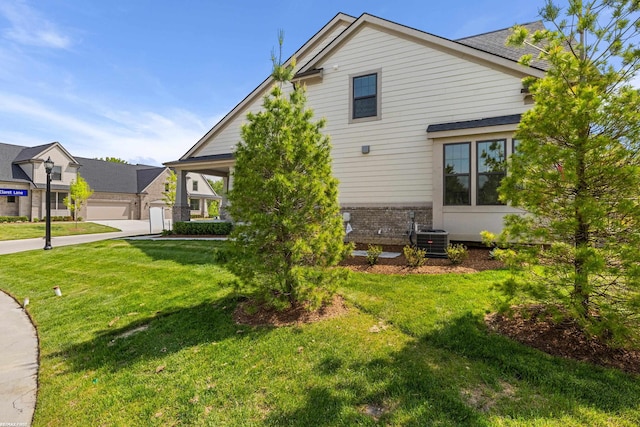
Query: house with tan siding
[[121, 191], [418, 124]]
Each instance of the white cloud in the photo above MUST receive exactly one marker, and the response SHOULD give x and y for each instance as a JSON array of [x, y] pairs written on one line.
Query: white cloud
[[136, 136], [28, 27]]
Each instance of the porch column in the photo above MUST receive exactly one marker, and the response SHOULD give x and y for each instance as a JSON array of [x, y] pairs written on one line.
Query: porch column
[[227, 184], [181, 209]]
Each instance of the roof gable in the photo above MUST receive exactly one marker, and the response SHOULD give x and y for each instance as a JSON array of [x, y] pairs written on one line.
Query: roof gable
[[341, 19], [467, 50], [38, 153], [147, 176]]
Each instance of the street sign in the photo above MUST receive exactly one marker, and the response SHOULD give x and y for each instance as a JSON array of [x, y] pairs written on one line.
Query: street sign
[[13, 192]]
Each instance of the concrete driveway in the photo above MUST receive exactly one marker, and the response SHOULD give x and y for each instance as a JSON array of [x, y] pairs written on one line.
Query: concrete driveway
[[128, 228]]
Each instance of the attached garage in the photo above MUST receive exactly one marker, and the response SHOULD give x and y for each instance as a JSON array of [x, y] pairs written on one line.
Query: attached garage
[[108, 210]]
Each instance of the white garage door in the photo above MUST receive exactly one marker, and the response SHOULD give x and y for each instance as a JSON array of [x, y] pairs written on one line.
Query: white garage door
[[108, 210]]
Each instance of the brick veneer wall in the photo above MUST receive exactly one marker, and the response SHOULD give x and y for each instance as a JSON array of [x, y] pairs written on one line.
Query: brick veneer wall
[[386, 225]]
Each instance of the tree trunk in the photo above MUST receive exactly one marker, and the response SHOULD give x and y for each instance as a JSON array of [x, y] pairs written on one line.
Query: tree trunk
[[581, 237]]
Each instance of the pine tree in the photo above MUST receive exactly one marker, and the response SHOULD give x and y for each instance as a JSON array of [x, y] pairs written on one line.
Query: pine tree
[[576, 170], [289, 233]]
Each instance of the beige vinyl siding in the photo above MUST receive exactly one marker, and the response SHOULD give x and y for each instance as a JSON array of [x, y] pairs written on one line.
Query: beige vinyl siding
[[226, 139], [420, 86]]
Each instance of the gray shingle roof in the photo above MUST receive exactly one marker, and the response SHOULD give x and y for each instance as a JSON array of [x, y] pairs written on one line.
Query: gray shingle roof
[[494, 42], [29, 153], [113, 177], [470, 124], [8, 171]]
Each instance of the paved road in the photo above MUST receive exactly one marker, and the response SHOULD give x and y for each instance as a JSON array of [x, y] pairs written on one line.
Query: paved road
[[127, 227], [18, 339]]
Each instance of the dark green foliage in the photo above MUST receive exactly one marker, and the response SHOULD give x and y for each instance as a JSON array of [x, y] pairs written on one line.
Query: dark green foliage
[[67, 218], [289, 232], [13, 219], [195, 228]]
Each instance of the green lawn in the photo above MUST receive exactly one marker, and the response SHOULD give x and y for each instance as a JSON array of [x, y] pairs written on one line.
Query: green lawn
[[144, 335], [30, 230]]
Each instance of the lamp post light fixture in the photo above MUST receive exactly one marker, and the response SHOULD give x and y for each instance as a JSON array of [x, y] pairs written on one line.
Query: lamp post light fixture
[[48, 167]]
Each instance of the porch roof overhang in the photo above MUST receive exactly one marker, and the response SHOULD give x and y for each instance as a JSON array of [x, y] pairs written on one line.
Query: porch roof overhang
[[469, 127], [216, 164]]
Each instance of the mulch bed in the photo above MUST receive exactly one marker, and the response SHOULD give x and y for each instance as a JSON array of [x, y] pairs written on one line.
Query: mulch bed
[[478, 260], [247, 314], [533, 326]]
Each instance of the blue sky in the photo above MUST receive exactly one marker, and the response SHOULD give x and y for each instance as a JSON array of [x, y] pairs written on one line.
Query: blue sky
[[143, 80]]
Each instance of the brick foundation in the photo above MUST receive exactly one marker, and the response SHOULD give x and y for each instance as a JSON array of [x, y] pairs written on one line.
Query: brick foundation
[[385, 225]]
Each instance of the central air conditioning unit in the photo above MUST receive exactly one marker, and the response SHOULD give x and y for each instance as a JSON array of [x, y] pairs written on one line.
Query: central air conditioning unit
[[435, 242]]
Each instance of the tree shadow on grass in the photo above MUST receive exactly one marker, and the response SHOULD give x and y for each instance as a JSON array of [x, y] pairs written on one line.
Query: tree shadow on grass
[[427, 383], [186, 252], [573, 384], [157, 336]]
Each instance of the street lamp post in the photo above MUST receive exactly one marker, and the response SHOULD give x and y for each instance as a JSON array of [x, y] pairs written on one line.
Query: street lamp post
[[48, 167]]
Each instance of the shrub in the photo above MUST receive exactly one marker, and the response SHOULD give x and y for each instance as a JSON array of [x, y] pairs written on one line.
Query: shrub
[[457, 253], [67, 218], [13, 219], [414, 255], [203, 228], [373, 253]]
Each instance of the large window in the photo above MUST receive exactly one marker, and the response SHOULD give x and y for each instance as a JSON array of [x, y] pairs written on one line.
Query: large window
[[364, 97], [56, 173], [457, 176], [491, 169], [57, 200], [194, 204]]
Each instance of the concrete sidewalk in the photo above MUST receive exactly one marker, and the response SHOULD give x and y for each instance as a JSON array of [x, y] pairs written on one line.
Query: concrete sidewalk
[[18, 364], [128, 228]]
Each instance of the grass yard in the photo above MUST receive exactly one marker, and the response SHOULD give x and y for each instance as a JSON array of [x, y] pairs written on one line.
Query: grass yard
[[30, 230], [143, 335]]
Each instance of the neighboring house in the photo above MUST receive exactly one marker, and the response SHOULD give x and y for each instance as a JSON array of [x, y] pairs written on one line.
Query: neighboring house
[[200, 194], [419, 125], [121, 191]]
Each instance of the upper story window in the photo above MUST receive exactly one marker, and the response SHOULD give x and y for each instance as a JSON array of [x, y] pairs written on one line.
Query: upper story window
[[457, 174], [365, 99], [56, 173], [195, 185], [491, 169]]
